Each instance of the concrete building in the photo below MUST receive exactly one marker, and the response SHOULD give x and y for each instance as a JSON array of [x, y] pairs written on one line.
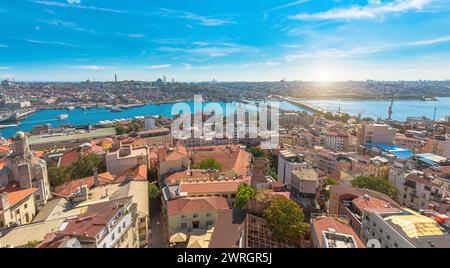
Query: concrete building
[[68, 140], [376, 134], [17, 206], [305, 183], [172, 160], [187, 214], [288, 162], [402, 228], [337, 141], [110, 224], [126, 158], [333, 232], [379, 167], [149, 122], [25, 168], [156, 137]]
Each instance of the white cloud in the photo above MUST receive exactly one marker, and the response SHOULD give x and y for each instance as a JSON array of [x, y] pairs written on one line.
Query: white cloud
[[74, 1], [51, 43], [93, 67], [373, 10], [291, 4], [66, 24], [79, 6], [5, 68], [202, 20], [4, 46], [162, 66], [211, 50], [431, 41], [134, 35]]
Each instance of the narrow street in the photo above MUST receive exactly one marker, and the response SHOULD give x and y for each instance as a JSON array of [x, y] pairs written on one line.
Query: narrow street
[[159, 234]]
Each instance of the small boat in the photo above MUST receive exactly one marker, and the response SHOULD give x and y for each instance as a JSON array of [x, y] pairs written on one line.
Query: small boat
[[70, 108], [62, 116], [116, 109]]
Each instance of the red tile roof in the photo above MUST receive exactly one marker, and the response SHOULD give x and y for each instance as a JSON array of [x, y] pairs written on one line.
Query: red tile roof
[[231, 157], [363, 203], [138, 173], [210, 187], [95, 219], [196, 204], [184, 176], [15, 193]]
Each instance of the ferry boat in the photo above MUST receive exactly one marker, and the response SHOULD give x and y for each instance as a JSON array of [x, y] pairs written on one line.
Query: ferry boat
[[116, 109], [70, 108], [62, 116]]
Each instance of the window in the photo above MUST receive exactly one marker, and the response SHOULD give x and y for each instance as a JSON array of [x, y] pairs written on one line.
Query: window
[[195, 215], [208, 214], [233, 195], [25, 205]]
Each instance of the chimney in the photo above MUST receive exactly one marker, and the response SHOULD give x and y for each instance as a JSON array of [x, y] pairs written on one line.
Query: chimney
[[96, 180], [4, 203]]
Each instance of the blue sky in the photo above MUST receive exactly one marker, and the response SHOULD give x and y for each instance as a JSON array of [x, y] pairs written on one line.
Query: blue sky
[[229, 40]]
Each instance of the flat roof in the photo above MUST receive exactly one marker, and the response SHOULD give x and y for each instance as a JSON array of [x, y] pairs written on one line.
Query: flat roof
[[398, 151], [102, 132]]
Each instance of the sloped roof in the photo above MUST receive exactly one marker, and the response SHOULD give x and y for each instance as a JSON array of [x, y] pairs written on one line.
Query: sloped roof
[[196, 204]]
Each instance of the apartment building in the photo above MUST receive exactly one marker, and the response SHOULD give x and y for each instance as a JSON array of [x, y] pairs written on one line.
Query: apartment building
[[409, 142], [289, 161], [379, 167], [17, 206], [402, 228], [376, 134], [191, 213], [156, 137], [110, 224], [126, 158], [333, 232], [338, 141], [172, 160], [305, 183]]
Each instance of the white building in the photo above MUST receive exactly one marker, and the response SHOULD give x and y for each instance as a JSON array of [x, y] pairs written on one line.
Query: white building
[[288, 162]]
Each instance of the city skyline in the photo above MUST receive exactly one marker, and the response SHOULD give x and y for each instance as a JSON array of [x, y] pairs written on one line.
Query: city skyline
[[75, 40]]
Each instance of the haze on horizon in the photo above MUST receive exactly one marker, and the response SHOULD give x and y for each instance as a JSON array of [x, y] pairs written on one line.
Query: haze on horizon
[[309, 40]]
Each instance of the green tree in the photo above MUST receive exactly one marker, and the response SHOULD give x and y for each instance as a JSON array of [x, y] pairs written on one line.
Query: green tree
[[256, 151], [244, 193], [120, 130], [153, 190], [285, 219], [152, 174], [31, 244], [329, 116], [57, 175], [344, 117], [84, 166], [210, 163], [367, 119], [377, 184]]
